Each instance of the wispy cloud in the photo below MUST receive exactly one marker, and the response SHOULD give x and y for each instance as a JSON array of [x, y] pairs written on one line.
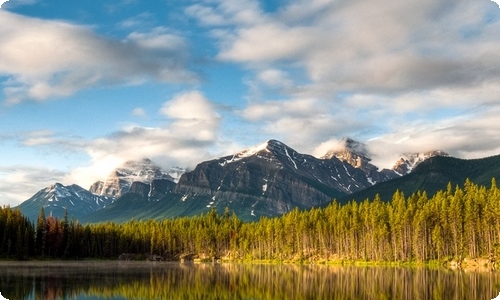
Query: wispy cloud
[[138, 112], [189, 135], [378, 70], [48, 59], [18, 183]]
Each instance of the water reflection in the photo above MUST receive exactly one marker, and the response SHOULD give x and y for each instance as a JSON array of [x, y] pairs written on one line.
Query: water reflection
[[146, 280]]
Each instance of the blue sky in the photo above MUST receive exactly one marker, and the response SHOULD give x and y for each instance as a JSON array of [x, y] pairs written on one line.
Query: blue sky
[[87, 85]]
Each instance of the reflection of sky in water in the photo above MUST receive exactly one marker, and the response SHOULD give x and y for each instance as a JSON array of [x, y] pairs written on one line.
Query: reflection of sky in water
[[144, 280]]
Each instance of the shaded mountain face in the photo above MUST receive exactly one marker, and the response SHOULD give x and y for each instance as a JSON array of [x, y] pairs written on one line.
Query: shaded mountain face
[[266, 180], [270, 179], [57, 197], [121, 179], [154, 191]]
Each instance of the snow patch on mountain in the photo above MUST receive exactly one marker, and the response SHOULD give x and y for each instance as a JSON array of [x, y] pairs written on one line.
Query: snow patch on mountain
[[120, 180], [246, 153], [408, 161]]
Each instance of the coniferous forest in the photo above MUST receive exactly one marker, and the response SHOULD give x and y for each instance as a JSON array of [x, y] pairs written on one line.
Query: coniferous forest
[[456, 223]]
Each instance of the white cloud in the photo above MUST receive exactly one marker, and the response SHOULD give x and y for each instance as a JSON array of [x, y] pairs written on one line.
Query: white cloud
[[138, 112], [3, 2], [19, 183], [190, 105], [303, 123], [227, 12], [189, 136], [275, 78], [371, 70], [323, 148], [269, 42], [46, 59], [368, 45]]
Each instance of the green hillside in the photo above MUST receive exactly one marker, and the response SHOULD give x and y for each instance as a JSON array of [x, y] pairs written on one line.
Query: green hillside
[[133, 206], [433, 175]]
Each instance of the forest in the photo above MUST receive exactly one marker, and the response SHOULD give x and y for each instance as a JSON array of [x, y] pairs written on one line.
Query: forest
[[456, 223]]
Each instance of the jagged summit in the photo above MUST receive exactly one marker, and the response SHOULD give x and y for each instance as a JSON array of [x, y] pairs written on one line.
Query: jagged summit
[[57, 198], [120, 180], [267, 146], [351, 151], [267, 179], [409, 161], [270, 179], [357, 155], [254, 150], [267, 150]]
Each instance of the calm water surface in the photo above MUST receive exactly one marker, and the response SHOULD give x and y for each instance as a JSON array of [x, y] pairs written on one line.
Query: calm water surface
[[148, 280]]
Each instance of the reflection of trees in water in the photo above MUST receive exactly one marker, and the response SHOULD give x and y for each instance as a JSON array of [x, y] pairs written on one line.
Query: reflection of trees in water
[[241, 281]]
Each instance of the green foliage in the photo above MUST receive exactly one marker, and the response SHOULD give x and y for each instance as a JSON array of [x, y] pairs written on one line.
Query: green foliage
[[453, 223], [433, 174]]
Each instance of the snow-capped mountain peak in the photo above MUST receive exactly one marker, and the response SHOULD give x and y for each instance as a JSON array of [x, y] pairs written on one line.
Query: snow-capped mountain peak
[[253, 150], [268, 148], [120, 180], [409, 161], [58, 197], [351, 151]]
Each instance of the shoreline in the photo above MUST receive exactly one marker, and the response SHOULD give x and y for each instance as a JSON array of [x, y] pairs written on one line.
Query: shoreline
[[466, 265]]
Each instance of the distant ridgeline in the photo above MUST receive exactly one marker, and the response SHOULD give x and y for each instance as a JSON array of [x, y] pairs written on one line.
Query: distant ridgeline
[[455, 223]]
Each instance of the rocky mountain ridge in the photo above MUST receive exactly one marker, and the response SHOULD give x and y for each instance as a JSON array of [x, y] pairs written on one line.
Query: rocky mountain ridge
[[265, 180], [270, 177], [357, 155], [409, 161], [57, 197], [121, 179]]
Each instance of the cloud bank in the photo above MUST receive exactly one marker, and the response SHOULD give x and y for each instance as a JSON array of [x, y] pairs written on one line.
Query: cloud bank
[[425, 72], [45, 59], [189, 135]]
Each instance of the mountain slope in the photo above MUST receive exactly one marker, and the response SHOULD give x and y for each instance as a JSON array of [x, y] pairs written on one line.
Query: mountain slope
[[357, 155], [433, 175], [57, 197], [267, 180], [120, 180], [410, 161], [270, 179]]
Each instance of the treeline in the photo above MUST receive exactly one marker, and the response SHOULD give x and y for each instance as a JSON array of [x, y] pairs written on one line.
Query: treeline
[[454, 223]]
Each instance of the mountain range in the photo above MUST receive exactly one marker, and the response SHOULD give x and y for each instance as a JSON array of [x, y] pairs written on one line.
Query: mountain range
[[266, 180]]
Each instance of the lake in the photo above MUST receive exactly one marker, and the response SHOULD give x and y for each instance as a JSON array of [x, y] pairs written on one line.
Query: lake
[[168, 280]]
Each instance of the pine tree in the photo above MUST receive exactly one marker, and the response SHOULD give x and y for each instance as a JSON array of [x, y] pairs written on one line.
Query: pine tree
[[41, 233]]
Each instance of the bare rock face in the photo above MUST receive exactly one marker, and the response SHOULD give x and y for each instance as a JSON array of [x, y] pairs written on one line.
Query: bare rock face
[[158, 188], [139, 188], [357, 155], [409, 161], [120, 180], [352, 152], [271, 179]]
